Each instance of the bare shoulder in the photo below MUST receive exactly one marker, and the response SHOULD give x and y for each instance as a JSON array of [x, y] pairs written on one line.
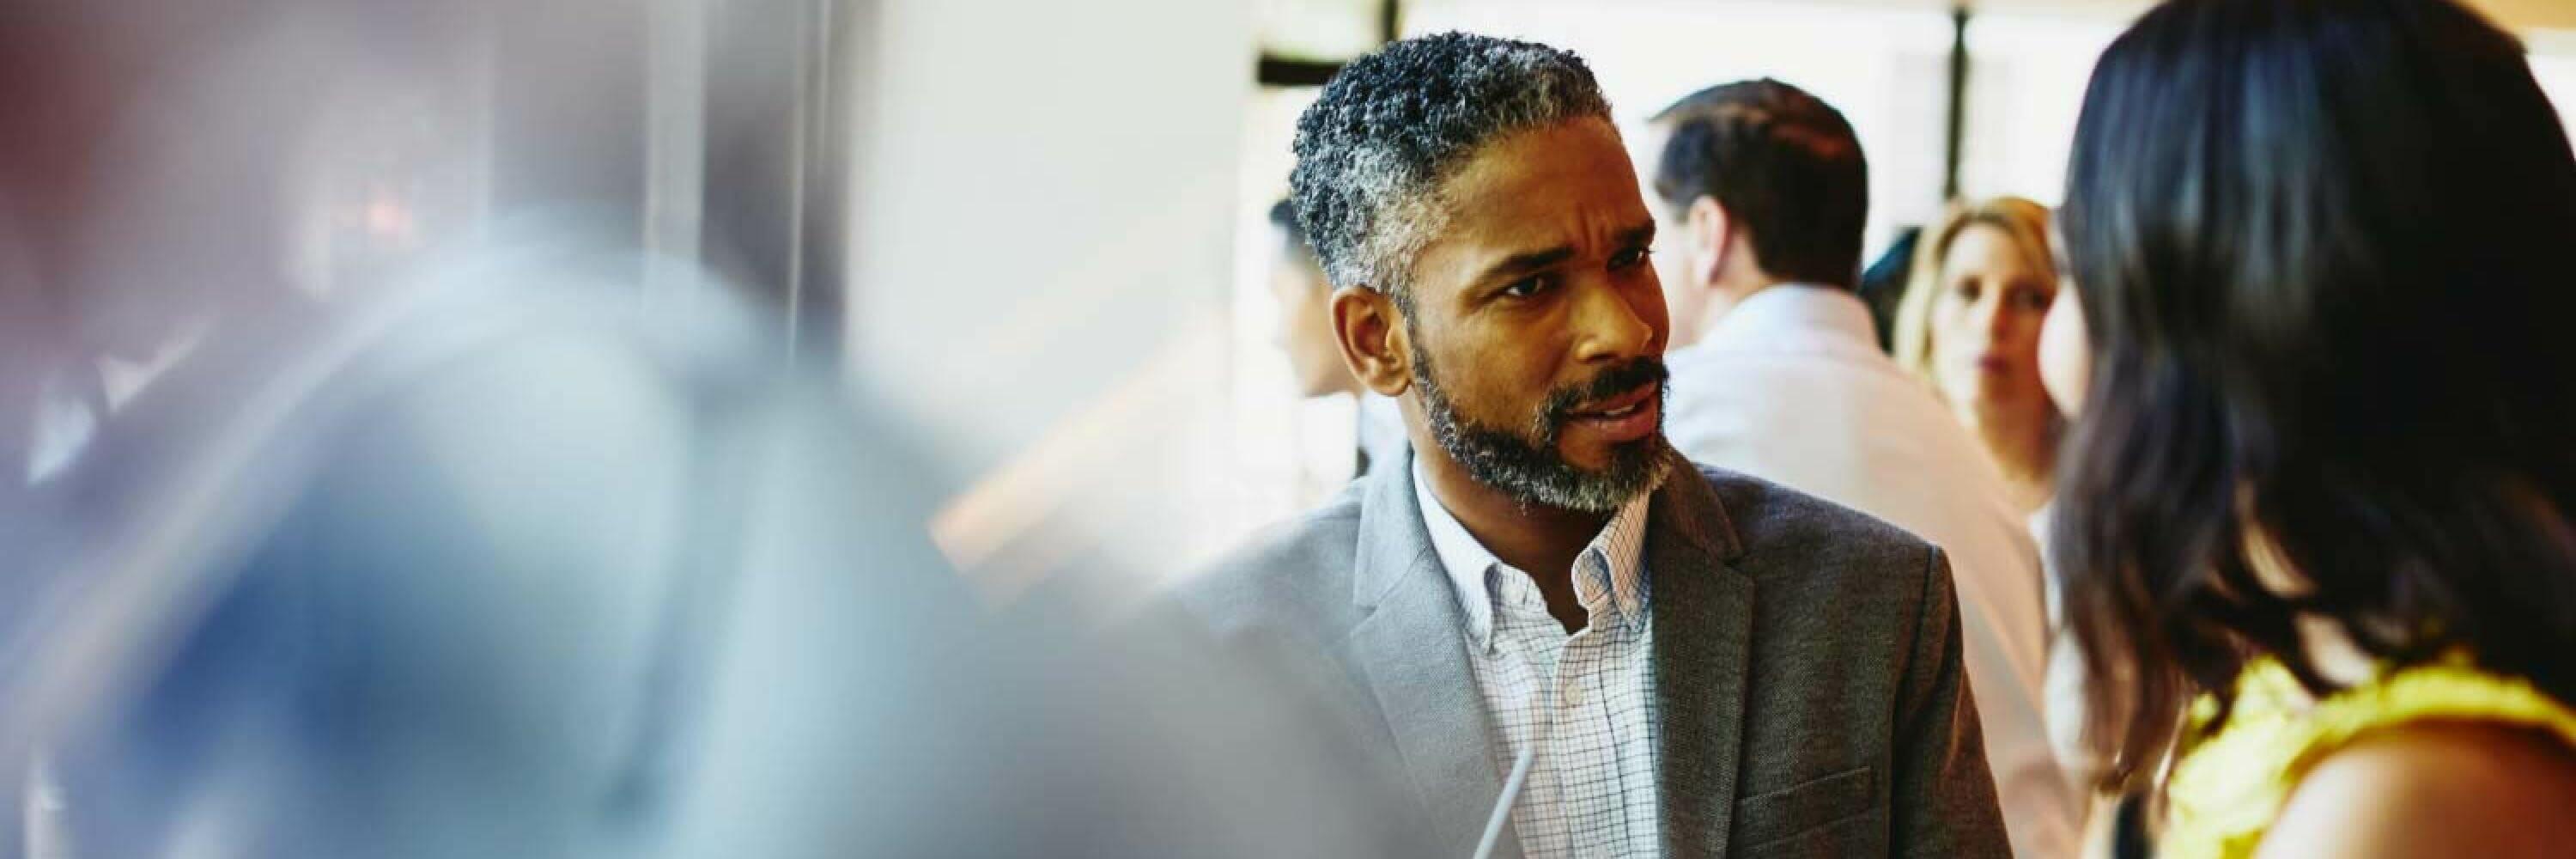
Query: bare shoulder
[[2437, 788]]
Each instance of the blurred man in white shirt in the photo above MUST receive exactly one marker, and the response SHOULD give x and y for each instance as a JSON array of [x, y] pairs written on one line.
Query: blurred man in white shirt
[[1762, 193]]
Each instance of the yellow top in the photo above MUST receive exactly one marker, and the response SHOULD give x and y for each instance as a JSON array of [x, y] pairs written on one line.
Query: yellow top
[[2230, 784]]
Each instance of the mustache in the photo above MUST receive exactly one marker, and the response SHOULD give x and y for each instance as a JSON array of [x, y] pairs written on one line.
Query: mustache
[[1610, 383]]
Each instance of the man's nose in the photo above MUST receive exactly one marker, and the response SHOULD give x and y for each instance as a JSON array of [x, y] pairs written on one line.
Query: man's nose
[[1996, 315], [1611, 326]]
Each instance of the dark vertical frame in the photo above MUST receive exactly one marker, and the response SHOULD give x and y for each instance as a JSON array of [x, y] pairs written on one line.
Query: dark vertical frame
[[1272, 70], [1955, 135], [573, 130], [778, 131], [568, 113]]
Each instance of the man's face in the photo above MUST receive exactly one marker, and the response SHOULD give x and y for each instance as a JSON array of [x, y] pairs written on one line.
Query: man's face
[[1537, 323]]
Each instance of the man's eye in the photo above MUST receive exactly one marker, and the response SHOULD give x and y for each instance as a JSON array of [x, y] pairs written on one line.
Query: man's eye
[[1628, 259], [1526, 287]]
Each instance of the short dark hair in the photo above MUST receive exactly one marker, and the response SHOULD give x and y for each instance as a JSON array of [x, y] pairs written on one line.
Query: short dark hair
[[1784, 164], [1882, 284], [1390, 127], [2320, 247]]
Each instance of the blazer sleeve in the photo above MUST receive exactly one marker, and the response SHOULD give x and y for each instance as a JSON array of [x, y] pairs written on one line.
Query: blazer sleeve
[[1941, 796]]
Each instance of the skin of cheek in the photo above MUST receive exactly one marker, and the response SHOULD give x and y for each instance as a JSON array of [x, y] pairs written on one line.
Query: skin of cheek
[[1954, 345], [1495, 374], [2065, 356], [2021, 340]]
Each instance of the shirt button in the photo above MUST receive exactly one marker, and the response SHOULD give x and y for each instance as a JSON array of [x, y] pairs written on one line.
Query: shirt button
[[1574, 695]]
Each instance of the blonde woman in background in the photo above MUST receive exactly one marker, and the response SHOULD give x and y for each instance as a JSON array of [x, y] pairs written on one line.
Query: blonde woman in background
[[1983, 280]]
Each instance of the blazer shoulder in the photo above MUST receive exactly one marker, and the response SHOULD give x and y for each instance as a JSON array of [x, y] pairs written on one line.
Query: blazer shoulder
[[1764, 511], [1784, 531]]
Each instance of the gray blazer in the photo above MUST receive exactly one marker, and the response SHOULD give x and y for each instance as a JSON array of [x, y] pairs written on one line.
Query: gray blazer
[[1806, 658]]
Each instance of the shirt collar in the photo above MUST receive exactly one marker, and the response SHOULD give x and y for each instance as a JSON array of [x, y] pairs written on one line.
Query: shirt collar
[[1614, 560], [1802, 308]]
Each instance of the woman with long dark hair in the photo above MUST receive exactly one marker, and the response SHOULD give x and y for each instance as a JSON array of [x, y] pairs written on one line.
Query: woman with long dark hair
[[2317, 519]]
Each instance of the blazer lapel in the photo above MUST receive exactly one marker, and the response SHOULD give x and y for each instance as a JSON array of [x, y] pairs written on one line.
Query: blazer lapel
[[1412, 646], [1703, 615]]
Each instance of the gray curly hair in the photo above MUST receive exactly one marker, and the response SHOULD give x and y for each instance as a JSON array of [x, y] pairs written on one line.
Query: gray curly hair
[[1374, 148]]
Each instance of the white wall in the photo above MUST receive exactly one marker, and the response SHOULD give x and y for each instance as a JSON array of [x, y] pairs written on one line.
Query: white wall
[[2553, 63], [1884, 66], [1042, 222], [2026, 79]]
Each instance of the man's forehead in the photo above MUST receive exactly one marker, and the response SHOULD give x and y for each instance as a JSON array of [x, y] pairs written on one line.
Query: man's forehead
[[1535, 184]]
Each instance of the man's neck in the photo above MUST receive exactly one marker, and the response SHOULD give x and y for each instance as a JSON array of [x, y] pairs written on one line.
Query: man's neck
[[1541, 541]]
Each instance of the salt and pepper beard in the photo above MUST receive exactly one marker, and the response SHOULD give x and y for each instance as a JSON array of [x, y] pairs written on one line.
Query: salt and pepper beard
[[1526, 466]]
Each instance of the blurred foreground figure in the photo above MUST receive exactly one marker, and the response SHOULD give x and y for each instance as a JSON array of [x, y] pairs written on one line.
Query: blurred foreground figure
[[485, 554], [2318, 519], [1567, 639], [510, 571]]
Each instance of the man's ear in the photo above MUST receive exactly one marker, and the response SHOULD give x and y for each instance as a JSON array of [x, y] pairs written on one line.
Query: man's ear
[[1373, 339], [1710, 230]]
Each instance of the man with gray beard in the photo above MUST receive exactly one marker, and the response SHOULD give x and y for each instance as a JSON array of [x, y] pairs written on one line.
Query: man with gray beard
[[1565, 637]]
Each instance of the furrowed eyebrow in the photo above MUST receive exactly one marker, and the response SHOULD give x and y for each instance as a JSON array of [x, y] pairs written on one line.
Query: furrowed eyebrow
[[1638, 235], [1524, 263]]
